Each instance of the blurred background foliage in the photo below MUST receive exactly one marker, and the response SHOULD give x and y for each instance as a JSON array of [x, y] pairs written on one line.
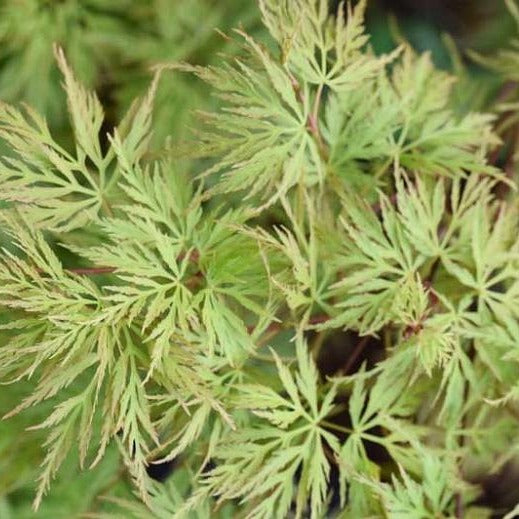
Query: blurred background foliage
[[112, 46]]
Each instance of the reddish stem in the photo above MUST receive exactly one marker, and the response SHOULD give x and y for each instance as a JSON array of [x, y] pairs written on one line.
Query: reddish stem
[[355, 354], [92, 271]]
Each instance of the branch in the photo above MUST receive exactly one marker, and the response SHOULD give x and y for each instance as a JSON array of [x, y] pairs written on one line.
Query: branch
[[91, 271], [355, 354]]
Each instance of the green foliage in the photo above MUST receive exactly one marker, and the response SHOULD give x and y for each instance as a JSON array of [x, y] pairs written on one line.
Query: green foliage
[[94, 34], [176, 302]]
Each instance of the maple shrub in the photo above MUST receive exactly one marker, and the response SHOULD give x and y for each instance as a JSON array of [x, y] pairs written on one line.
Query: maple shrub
[[307, 305]]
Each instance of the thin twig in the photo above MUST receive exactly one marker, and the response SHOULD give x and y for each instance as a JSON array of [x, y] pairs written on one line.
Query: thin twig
[[336, 427], [91, 271], [355, 354], [313, 118]]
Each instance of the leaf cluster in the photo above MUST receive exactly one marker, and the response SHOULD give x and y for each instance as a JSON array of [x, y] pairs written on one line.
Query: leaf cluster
[[155, 316]]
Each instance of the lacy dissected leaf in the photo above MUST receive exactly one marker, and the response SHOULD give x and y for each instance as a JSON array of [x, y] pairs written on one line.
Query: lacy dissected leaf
[[179, 271], [56, 189], [262, 461], [378, 259], [296, 265], [320, 49], [360, 127], [260, 136], [386, 404], [406, 498], [487, 268], [71, 350], [432, 139], [385, 262], [399, 117]]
